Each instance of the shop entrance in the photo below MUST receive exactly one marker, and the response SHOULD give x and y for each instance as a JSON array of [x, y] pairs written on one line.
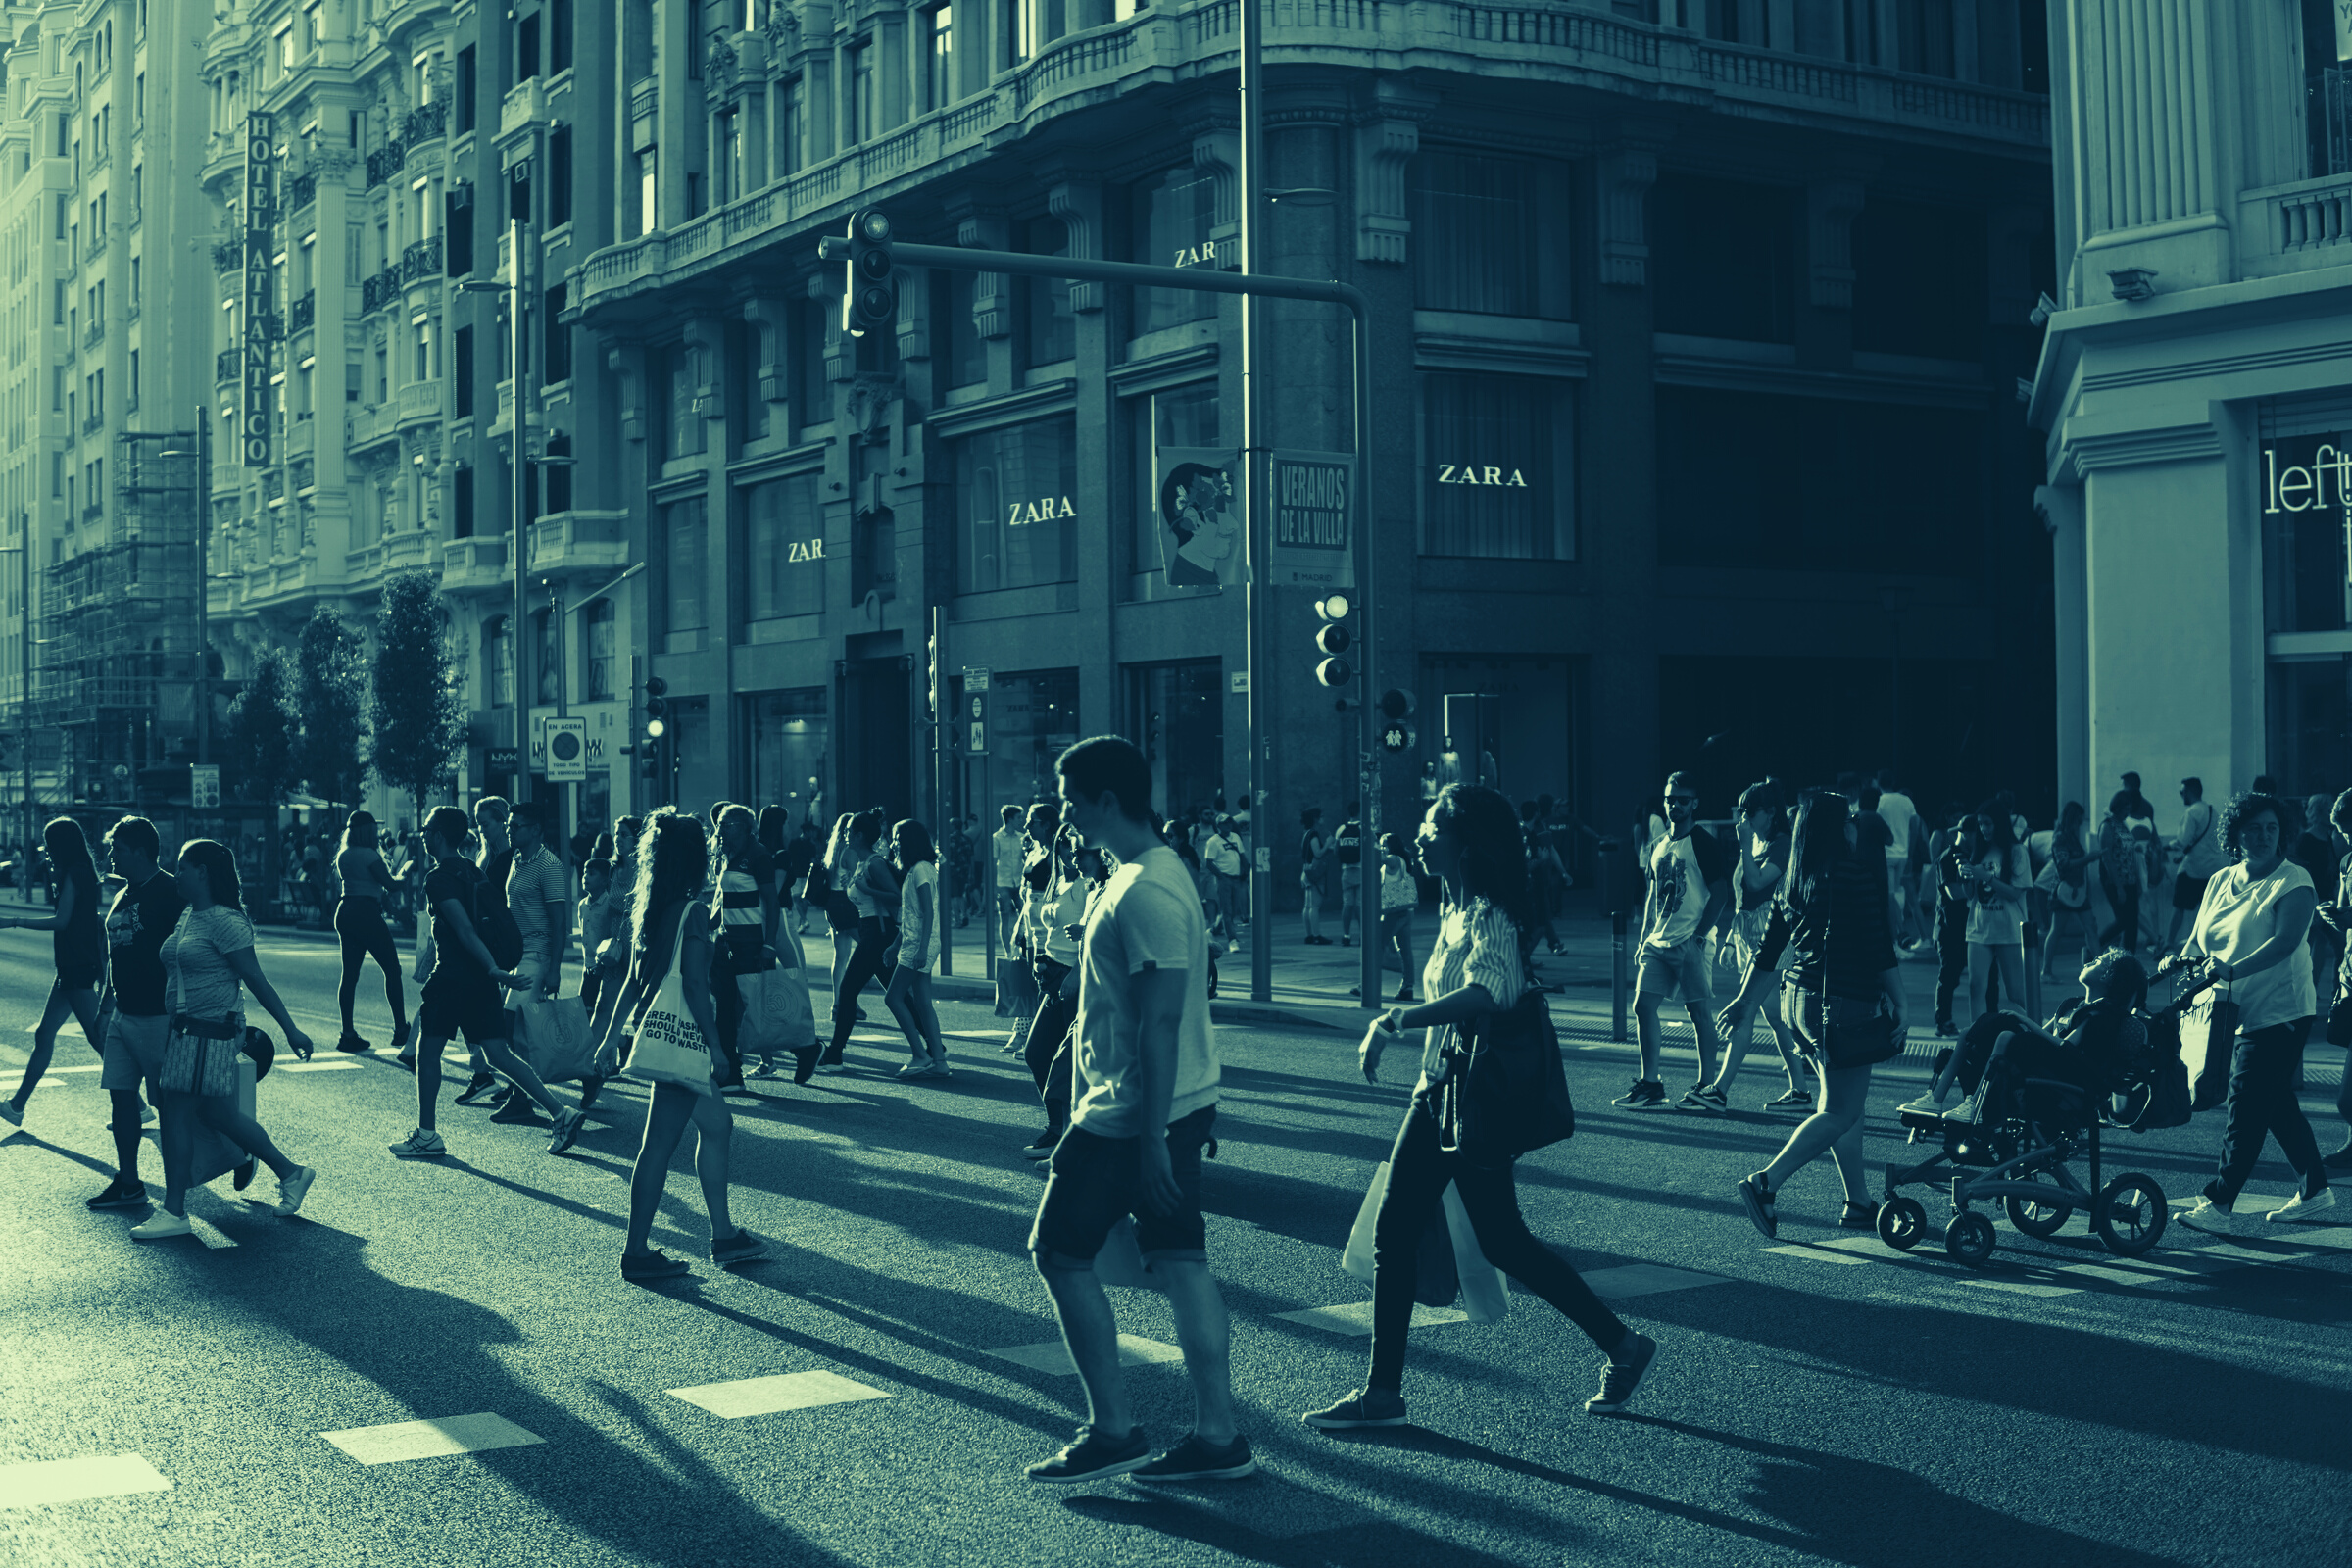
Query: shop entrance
[[877, 716]]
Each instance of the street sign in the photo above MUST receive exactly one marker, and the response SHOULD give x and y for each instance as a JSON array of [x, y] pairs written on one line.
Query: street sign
[[975, 711], [567, 750], [204, 788]]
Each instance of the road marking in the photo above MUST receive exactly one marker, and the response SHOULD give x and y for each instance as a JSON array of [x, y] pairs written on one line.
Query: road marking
[[318, 1067], [2020, 1287], [1646, 1279], [1052, 1356], [48, 1481], [1355, 1317], [430, 1440], [793, 1390]]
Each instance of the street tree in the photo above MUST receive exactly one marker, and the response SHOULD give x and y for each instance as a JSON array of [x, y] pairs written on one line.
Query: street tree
[[418, 713], [330, 700], [262, 729]]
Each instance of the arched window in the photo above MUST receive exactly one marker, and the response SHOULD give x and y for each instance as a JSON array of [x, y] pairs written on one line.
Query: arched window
[[498, 662]]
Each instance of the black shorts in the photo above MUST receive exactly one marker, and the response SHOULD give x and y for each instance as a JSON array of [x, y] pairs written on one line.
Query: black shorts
[[1097, 1181], [469, 1005], [2188, 892]]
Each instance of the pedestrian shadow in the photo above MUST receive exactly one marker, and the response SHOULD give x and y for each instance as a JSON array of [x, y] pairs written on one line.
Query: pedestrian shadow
[[434, 1354], [29, 1143], [1209, 1520]]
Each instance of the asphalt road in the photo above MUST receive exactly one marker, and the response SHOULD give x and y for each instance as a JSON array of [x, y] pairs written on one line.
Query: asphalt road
[[1821, 1400]]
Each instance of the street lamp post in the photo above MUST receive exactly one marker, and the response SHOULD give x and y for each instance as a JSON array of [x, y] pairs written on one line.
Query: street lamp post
[[22, 548]]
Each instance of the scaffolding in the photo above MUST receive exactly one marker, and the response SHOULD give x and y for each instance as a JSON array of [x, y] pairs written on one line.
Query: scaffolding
[[119, 659]]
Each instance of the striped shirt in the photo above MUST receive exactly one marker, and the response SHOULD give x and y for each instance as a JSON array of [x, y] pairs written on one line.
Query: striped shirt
[[739, 888], [1477, 945]]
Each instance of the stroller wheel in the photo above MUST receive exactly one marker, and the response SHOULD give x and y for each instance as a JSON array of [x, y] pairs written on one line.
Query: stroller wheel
[[2038, 1220], [1968, 1239], [2131, 1214], [1902, 1223]]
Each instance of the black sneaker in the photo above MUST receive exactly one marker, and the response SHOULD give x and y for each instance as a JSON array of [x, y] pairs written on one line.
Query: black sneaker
[[1699, 1096], [1194, 1459], [1756, 1199], [1091, 1456], [1792, 1100], [1045, 1146], [1365, 1407], [475, 1087], [1859, 1217], [517, 1112], [1619, 1379], [351, 1044], [121, 1193], [1647, 1094]]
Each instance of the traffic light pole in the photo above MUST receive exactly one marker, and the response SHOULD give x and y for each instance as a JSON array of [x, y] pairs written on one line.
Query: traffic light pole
[[1256, 533], [1260, 285]]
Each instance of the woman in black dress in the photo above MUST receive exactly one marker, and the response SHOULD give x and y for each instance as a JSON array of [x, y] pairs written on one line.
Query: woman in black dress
[[78, 942]]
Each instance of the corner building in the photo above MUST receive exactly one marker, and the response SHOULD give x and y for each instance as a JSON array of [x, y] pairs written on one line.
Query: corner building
[[1731, 298], [2196, 393]]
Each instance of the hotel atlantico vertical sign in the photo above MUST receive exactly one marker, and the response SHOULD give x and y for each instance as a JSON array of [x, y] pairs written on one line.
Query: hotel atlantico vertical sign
[[253, 422]]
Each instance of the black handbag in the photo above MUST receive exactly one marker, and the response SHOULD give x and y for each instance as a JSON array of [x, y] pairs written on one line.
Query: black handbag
[[1505, 1090], [2339, 1022]]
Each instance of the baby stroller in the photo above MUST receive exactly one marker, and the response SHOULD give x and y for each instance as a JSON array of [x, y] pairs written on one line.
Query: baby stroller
[[2012, 1143]]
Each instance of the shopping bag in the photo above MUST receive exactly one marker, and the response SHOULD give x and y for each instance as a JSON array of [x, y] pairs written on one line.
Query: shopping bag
[[1447, 1263], [1121, 1262], [777, 1016], [215, 1155], [423, 969], [1486, 1295], [553, 1033], [668, 1046]]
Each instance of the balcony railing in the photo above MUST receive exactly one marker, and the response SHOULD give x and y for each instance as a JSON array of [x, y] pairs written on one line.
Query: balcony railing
[[302, 436], [379, 291], [420, 261], [423, 124], [365, 427], [305, 311], [229, 365], [301, 190], [228, 256], [384, 162], [94, 334]]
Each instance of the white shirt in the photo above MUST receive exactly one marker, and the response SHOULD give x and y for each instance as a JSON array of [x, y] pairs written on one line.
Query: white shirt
[[1899, 814], [2238, 916], [922, 874], [1147, 917]]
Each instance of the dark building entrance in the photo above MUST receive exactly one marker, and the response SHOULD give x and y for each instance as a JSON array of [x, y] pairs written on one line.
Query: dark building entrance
[[878, 735]]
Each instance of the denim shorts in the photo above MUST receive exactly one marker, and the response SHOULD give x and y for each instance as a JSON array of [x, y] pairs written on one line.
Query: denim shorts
[[1681, 970], [1097, 1181]]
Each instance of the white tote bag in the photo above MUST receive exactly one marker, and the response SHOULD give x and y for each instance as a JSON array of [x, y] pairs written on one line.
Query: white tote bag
[[668, 1047], [1486, 1295]]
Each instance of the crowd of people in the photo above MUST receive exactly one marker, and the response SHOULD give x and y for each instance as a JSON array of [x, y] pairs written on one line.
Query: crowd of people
[[1109, 941]]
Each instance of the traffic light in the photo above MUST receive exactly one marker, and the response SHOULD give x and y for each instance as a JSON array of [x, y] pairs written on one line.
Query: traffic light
[[1333, 639], [656, 725], [871, 304], [1396, 707]]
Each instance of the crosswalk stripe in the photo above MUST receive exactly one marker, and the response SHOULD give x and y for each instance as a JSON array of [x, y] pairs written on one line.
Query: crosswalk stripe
[[766, 1396], [1646, 1279], [396, 1441], [318, 1067], [52, 1480], [1355, 1317], [1052, 1356]]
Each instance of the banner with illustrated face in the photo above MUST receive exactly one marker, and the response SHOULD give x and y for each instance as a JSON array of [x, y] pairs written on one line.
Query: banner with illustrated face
[[1199, 501]]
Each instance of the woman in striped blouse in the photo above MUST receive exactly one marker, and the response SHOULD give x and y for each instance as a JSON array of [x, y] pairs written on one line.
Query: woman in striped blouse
[[1471, 844]]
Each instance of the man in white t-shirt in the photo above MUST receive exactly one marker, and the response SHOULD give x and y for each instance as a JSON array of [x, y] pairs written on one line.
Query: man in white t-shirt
[[1145, 1097], [2199, 846], [1690, 888], [1901, 816]]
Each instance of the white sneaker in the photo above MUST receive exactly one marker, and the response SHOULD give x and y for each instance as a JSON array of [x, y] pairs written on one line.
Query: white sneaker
[[292, 1191], [160, 1225], [2209, 1215], [2302, 1208], [1925, 1104]]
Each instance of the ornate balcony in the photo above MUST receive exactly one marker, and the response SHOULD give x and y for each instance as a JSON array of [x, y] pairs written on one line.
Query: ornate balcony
[[228, 256], [229, 365], [420, 261], [302, 436], [475, 564], [368, 427], [567, 544], [423, 124], [304, 313], [379, 291], [522, 110], [419, 402], [385, 162], [301, 190]]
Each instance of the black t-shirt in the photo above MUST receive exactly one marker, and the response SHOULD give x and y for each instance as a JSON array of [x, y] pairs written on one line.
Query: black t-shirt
[[452, 961], [136, 929]]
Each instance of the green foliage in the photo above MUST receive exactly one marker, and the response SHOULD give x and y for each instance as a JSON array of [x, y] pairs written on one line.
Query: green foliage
[[262, 729], [330, 697], [419, 712]]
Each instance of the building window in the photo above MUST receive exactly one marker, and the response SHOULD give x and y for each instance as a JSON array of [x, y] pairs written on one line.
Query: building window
[[1169, 226], [784, 549], [600, 652], [1176, 717], [1919, 280], [559, 473], [1015, 493], [684, 425], [460, 501], [2306, 512], [557, 335], [1050, 327], [956, 341], [1490, 234], [939, 57], [786, 128], [1180, 417], [2327, 86], [726, 152], [498, 661], [468, 84], [1923, 32], [1706, 287], [864, 118], [684, 525], [1032, 719], [547, 664], [527, 47], [786, 741], [1771, 481], [1496, 472], [807, 393], [558, 38], [558, 177], [461, 370], [648, 166]]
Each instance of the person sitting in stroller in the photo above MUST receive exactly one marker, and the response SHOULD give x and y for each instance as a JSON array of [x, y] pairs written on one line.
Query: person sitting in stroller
[[2088, 1042]]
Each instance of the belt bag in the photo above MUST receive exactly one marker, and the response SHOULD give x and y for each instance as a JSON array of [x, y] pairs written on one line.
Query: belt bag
[[230, 1028]]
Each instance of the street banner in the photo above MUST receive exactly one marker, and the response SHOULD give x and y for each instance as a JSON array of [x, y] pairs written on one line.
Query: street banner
[[1311, 499], [1200, 516]]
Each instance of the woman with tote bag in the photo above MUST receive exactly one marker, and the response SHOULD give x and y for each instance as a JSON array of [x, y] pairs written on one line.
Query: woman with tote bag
[[1471, 844], [665, 1013]]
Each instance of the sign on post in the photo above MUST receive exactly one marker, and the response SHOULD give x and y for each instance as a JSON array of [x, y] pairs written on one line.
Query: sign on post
[[204, 787], [567, 750], [975, 711], [1310, 542]]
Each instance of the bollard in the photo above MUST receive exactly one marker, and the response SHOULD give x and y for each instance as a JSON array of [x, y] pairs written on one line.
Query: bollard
[[1617, 975]]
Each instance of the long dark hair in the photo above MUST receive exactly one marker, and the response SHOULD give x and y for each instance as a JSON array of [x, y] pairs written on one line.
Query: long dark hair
[[219, 869], [2004, 831], [913, 841], [775, 824], [359, 831], [673, 856], [69, 852], [1817, 846], [1494, 854]]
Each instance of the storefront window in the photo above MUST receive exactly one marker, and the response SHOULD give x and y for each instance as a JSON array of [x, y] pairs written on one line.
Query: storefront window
[[2306, 515], [1176, 713], [1705, 286], [1170, 228], [786, 739], [1490, 234], [1496, 467], [683, 561], [2310, 723], [1032, 719], [784, 549], [1015, 501], [1182, 416]]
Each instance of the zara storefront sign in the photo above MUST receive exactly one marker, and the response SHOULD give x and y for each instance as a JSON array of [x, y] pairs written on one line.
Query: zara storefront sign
[[1474, 473], [254, 436]]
